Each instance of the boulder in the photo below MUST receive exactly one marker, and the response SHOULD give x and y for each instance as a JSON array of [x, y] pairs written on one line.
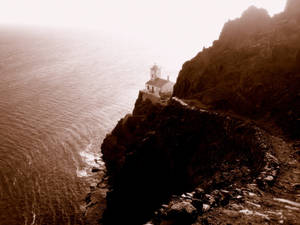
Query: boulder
[[182, 211]]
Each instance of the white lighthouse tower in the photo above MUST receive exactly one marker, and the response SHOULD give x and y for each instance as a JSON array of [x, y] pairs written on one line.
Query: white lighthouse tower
[[155, 72], [156, 85]]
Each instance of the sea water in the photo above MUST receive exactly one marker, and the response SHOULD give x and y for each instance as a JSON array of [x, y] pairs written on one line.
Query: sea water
[[60, 93]]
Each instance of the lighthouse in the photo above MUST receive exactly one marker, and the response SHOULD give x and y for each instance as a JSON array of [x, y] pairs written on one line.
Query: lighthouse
[[155, 72], [156, 85]]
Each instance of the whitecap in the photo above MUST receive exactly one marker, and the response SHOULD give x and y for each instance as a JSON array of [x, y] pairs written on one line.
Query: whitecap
[[89, 157]]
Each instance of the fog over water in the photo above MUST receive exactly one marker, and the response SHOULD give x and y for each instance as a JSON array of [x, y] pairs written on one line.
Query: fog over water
[[172, 27]]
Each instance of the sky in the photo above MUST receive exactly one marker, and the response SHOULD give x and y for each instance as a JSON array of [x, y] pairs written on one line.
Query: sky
[[184, 25]]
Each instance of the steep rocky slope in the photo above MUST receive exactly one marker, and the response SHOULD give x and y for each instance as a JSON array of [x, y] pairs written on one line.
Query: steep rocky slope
[[171, 149], [252, 70], [179, 165], [225, 149]]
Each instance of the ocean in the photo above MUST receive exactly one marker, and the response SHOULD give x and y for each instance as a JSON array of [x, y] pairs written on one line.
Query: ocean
[[60, 94]]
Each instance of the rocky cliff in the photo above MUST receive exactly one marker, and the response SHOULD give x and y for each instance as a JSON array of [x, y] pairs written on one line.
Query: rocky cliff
[[252, 70], [163, 150], [202, 158]]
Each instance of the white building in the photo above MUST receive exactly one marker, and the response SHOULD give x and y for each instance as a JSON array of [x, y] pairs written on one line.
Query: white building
[[157, 85]]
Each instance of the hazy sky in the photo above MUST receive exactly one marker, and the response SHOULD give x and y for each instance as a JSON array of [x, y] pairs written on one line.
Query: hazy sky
[[187, 25]]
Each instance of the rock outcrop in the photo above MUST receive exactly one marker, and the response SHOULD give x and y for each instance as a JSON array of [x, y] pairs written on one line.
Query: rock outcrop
[[201, 158], [292, 8], [252, 70], [171, 149]]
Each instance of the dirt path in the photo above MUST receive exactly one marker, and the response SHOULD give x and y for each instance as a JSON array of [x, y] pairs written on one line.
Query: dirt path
[[273, 199], [277, 204]]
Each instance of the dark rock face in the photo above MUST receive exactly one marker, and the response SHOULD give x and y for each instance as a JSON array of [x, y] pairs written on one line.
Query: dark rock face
[[292, 7], [167, 150], [181, 213], [253, 69], [224, 165], [253, 21]]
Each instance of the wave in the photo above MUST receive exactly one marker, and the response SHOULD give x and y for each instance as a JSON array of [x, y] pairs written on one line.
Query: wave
[[59, 98]]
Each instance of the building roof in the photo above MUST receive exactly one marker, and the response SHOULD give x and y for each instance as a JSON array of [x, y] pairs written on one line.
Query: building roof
[[158, 82]]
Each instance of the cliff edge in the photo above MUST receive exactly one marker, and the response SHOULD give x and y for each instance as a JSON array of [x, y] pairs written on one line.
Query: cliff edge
[[163, 150], [225, 148], [252, 70]]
